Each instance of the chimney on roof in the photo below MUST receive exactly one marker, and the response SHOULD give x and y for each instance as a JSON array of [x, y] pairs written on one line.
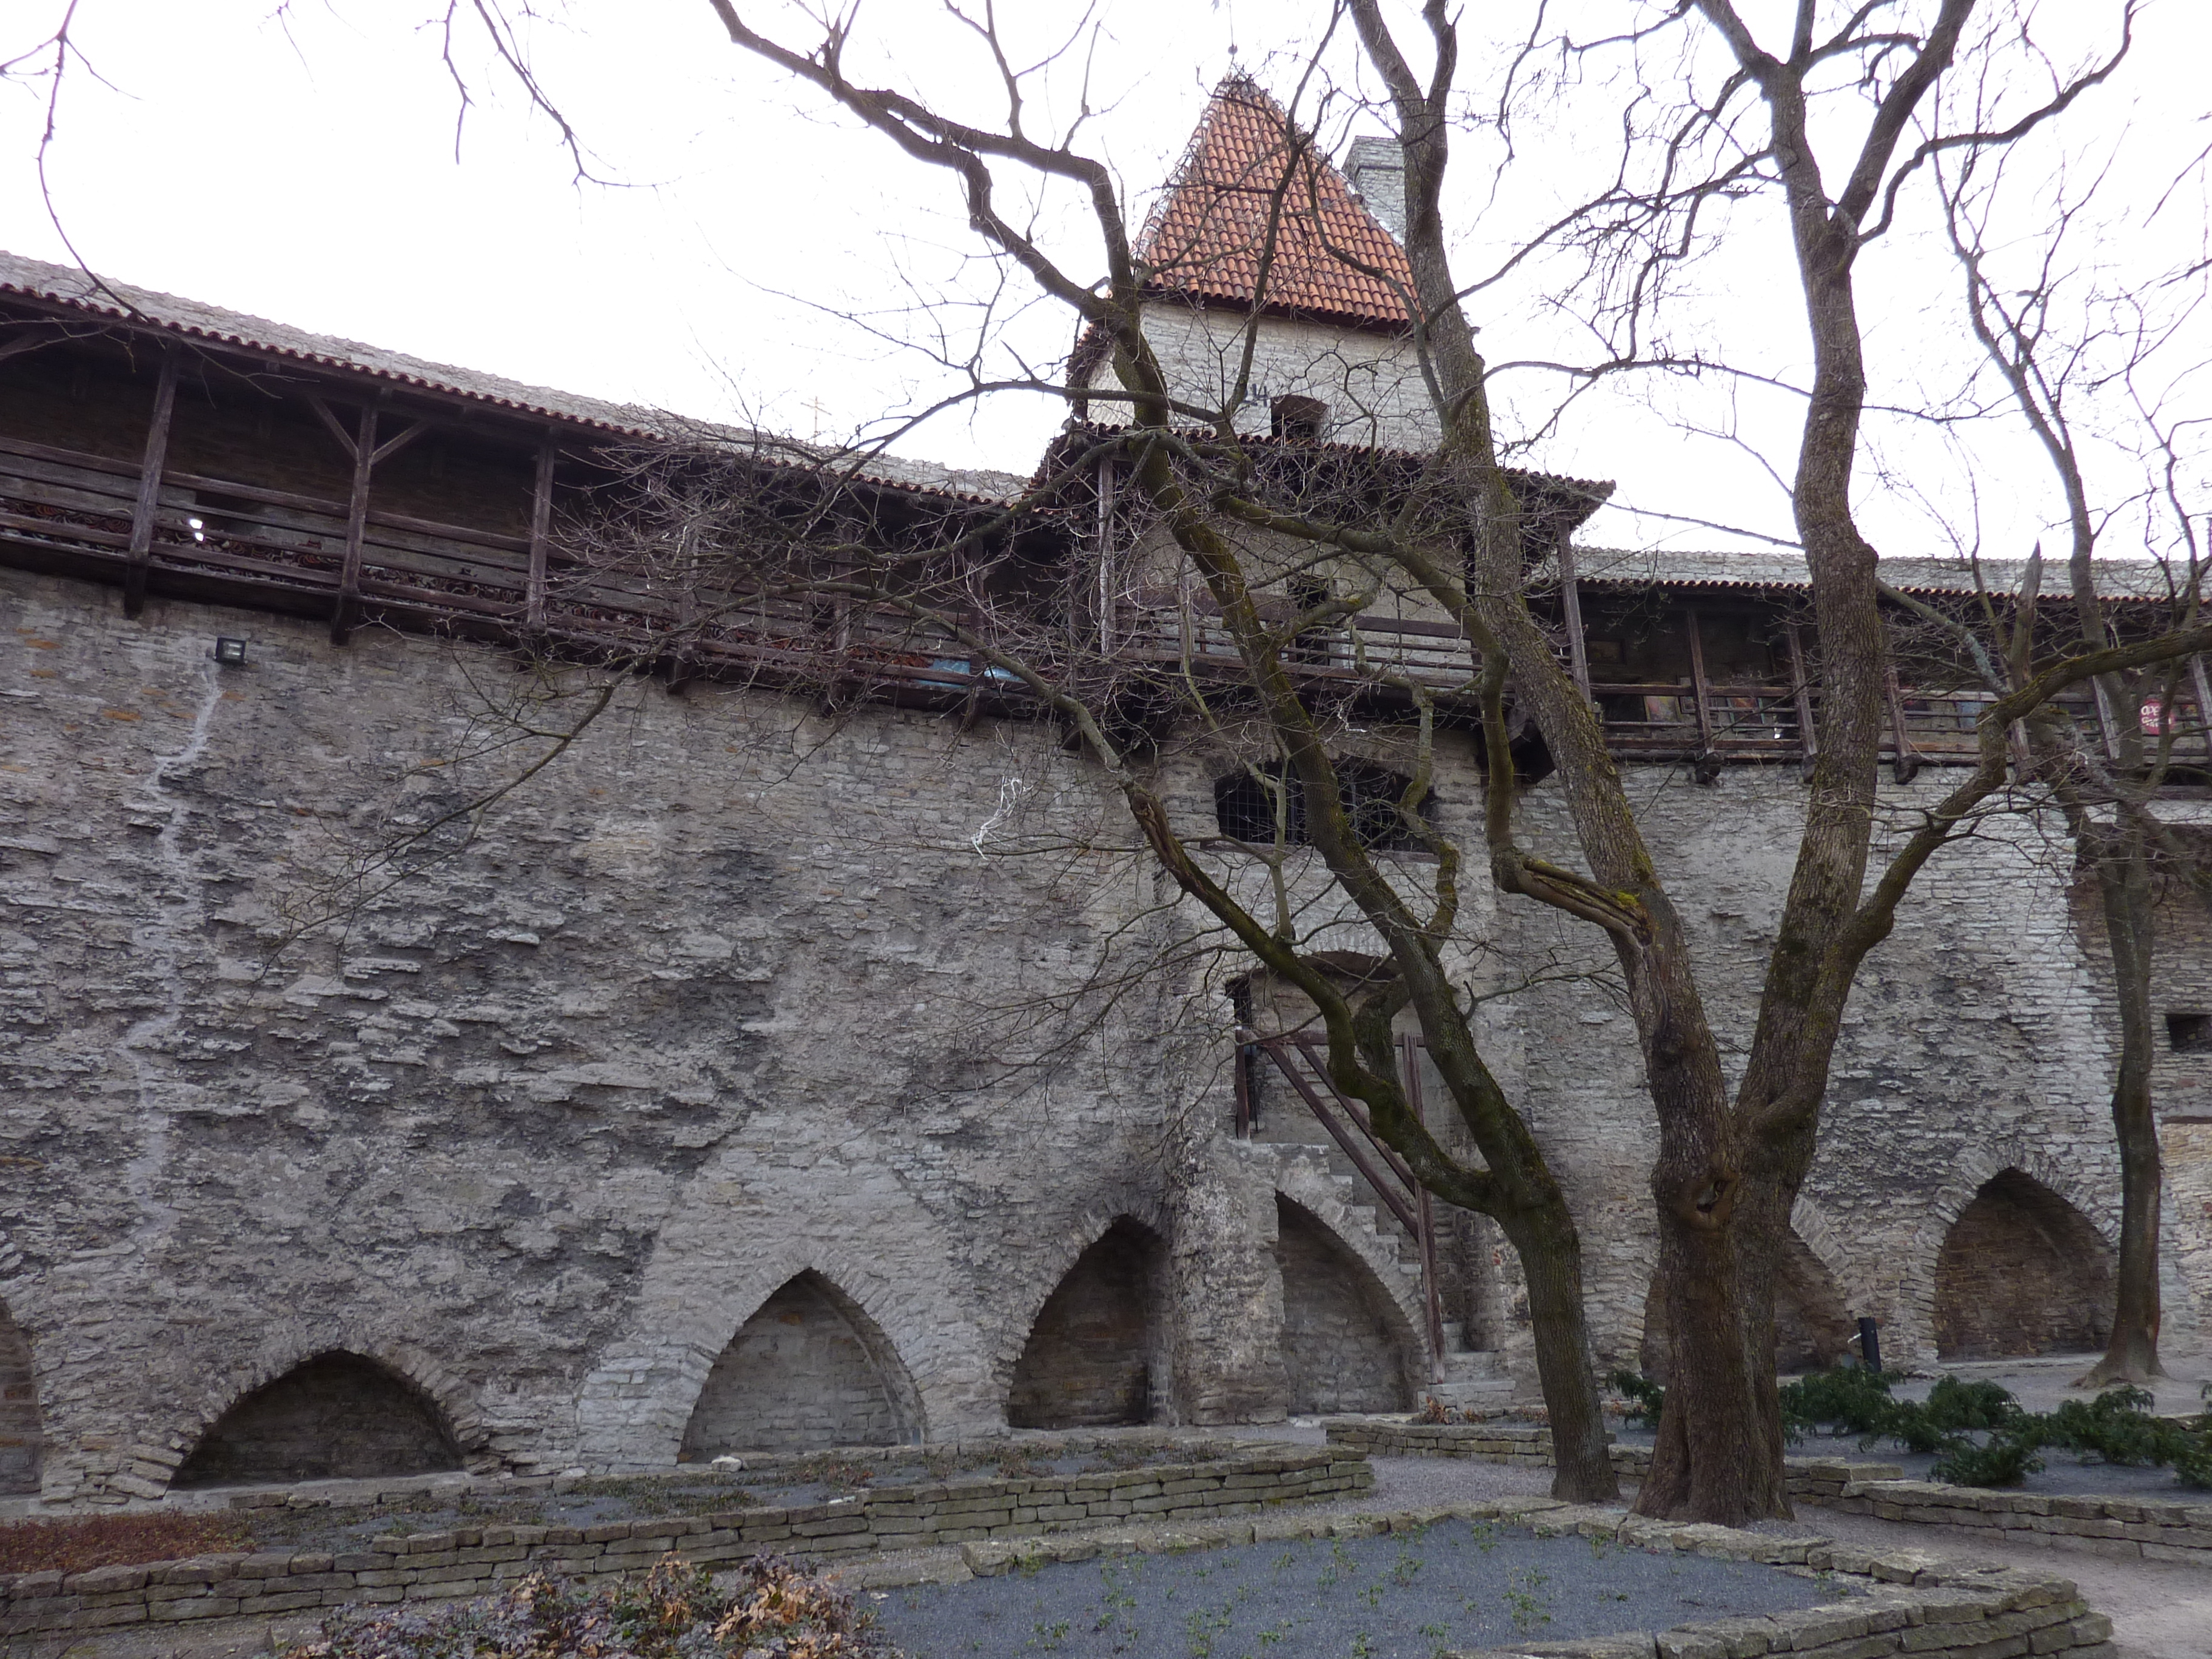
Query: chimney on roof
[[1376, 170]]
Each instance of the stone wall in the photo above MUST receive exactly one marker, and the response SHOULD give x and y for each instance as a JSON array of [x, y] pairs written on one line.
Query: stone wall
[[1090, 1358], [737, 991], [1369, 382], [470, 1560], [338, 1417], [798, 1374], [728, 995]]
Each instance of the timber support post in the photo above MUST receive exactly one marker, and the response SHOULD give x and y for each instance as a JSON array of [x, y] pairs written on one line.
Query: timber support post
[[1800, 686], [541, 536], [1570, 609], [149, 487]]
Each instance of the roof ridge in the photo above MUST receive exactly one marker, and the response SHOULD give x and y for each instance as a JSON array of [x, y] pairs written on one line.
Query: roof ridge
[[1250, 172]]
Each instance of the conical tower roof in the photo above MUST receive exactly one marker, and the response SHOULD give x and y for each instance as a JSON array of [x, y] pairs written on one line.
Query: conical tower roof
[[1206, 238]]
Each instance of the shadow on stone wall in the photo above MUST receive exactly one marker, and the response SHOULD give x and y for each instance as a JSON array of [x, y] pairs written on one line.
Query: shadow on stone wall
[[2022, 1272], [809, 1370], [1344, 1348], [19, 1411], [338, 1416], [1089, 1360]]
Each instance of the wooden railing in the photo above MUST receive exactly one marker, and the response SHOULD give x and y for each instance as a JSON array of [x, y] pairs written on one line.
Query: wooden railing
[[236, 543], [1302, 1061]]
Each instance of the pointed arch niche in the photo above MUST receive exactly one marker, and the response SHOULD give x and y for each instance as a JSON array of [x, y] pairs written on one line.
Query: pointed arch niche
[[2022, 1272], [339, 1416], [20, 1439], [809, 1370], [1092, 1359], [1345, 1346]]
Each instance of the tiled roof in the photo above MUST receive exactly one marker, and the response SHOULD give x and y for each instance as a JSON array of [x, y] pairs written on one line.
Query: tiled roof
[[2117, 578], [118, 302], [1207, 237]]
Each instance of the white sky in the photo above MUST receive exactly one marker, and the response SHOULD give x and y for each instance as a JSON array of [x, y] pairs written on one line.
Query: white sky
[[302, 165]]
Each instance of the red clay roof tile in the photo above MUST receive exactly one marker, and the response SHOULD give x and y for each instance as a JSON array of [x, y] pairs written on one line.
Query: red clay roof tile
[[1248, 168]]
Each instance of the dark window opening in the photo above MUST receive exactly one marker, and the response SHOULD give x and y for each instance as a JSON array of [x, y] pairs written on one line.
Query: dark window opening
[[2191, 1034], [1245, 804], [1297, 417]]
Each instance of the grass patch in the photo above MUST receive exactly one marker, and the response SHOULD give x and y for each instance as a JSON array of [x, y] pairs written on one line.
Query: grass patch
[[82, 1542]]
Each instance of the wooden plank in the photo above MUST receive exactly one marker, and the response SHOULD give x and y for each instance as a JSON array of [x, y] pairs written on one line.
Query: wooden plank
[[149, 484], [1570, 603], [1905, 761], [364, 457], [1801, 688], [541, 534], [1432, 1304], [1700, 690]]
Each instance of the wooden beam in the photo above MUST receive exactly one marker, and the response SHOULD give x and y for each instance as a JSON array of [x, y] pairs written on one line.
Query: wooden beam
[[1808, 736], [1698, 684], [1105, 554], [2203, 702], [348, 613], [393, 446], [31, 336], [1905, 760], [337, 427], [541, 534], [1571, 604], [149, 486]]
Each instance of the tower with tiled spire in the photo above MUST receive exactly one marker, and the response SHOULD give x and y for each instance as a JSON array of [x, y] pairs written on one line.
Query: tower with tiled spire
[[1256, 224]]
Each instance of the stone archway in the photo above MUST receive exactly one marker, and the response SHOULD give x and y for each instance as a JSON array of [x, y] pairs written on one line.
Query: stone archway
[[2022, 1272], [808, 1370], [1345, 1345], [337, 1415], [20, 1439], [1092, 1357]]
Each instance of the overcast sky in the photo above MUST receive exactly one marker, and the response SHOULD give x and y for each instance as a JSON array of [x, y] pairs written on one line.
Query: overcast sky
[[305, 164]]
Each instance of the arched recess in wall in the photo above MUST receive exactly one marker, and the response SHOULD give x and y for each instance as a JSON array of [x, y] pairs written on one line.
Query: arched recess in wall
[[1812, 1321], [1345, 1346], [810, 1368], [339, 1415], [1093, 1355], [2022, 1272], [19, 1433]]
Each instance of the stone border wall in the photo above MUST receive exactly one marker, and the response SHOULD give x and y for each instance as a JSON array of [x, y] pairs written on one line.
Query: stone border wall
[[2152, 1528], [1915, 1604], [1809, 1479], [473, 1560]]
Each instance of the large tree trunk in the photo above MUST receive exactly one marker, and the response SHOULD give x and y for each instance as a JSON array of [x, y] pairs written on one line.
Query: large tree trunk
[[1551, 1261], [2122, 871]]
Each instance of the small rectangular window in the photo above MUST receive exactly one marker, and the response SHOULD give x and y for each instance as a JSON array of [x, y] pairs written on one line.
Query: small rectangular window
[[2191, 1034]]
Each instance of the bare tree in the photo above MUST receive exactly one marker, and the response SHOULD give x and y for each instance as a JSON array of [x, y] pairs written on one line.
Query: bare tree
[[2115, 343]]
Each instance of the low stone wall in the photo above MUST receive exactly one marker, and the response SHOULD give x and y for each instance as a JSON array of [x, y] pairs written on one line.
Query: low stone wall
[[2155, 1529], [1912, 1604], [1809, 1479], [472, 1560]]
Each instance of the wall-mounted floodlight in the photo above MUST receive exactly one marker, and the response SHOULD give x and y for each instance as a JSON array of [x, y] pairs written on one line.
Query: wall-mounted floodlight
[[230, 652]]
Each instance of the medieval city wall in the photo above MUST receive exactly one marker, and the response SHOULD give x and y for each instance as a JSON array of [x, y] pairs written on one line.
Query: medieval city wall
[[713, 1005], [709, 1005]]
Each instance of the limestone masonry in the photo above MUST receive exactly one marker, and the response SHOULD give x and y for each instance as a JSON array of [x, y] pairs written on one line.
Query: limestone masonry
[[754, 1075]]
